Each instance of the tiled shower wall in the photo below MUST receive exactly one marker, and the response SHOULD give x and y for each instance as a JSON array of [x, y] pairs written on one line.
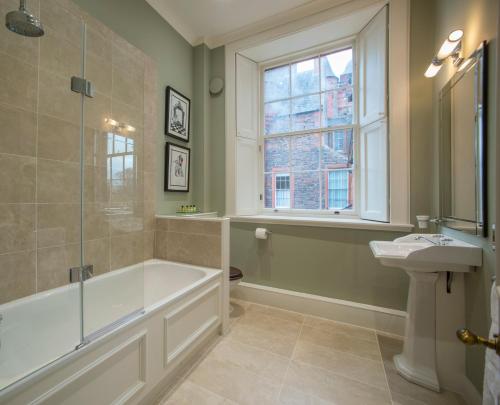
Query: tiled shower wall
[[40, 151], [189, 240]]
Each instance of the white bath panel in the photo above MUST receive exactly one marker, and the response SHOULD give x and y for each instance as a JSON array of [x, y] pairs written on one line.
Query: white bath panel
[[113, 378], [185, 324]]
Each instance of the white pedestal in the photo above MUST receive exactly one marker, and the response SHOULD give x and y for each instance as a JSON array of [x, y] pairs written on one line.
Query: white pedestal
[[417, 363]]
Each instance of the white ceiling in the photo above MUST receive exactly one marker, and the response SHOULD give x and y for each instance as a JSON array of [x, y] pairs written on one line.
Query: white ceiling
[[216, 22]]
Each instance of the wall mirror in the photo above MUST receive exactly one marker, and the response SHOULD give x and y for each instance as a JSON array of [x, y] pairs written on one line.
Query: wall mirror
[[462, 158]]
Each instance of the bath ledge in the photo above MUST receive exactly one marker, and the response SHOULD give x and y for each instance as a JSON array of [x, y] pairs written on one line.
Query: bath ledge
[[349, 223]]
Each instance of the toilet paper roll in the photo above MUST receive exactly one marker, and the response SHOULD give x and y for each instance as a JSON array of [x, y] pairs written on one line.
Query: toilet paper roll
[[261, 233]]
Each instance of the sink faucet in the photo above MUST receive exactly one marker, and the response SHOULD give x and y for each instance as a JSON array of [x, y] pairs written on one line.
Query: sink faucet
[[437, 243]]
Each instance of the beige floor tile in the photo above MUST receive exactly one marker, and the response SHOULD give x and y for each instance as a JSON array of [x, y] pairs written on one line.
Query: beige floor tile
[[276, 312], [341, 342], [273, 338], [399, 386], [190, 394], [333, 387], [235, 383], [291, 396], [259, 320], [338, 327], [259, 361], [404, 391], [345, 364]]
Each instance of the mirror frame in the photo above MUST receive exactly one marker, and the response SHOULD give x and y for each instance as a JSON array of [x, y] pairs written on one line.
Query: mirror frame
[[479, 66]]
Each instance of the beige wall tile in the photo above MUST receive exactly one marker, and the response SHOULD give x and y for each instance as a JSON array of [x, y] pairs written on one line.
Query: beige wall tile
[[56, 98], [161, 247], [150, 157], [60, 56], [127, 114], [53, 264], [18, 83], [17, 275], [128, 217], [95, 222], [149, 186], [17, 227], [149, 215], [150, 128], [96, 253], [96, 144], [195, 226], [127, 89], [58, 139], [58, 224], [64, 18], [125, 54], [98, 71], [58, 182], [99, 41], [18, 134], [201, 250], [97, 109], [149, 243], [126, 250], [162, 224], [17, 179], [96, 184]]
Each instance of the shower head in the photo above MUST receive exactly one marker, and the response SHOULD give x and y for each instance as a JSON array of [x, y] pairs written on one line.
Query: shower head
[[23, 23]]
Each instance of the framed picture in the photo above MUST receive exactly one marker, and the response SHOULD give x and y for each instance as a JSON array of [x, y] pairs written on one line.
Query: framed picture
[[177, 160], [178, 110]]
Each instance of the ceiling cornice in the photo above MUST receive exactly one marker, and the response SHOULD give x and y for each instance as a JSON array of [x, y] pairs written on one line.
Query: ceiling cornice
[[294, 14]]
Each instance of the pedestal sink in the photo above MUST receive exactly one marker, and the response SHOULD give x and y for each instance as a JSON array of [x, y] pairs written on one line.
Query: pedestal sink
[[423, 256]]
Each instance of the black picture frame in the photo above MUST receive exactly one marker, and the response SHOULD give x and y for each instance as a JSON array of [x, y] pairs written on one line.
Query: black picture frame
[[177, 115], [171, 182]]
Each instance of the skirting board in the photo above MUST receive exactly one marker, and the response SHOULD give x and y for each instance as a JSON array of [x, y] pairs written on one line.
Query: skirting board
[[385, 320]]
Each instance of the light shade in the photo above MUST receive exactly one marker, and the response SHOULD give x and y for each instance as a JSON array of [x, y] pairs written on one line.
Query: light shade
[[432, 70], [450, 44], [111, 122]]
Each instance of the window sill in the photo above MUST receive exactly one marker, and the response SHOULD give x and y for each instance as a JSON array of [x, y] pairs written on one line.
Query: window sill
[[349, 223]]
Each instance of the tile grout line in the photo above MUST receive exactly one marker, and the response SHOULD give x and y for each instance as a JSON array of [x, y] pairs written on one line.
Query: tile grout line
[[291, 359], [383, 368]]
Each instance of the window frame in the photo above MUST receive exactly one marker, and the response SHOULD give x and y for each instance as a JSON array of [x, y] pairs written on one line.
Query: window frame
[[331, 47]]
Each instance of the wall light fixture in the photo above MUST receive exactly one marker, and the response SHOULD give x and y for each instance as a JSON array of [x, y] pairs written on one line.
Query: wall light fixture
[[451, 48], [119, 125]]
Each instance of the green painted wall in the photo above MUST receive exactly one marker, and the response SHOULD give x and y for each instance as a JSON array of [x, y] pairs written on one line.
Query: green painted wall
[[331, 262], [143, 27], [478, 19]]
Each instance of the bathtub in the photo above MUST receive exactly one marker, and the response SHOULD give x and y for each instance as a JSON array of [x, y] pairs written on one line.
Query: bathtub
[[44, 329]]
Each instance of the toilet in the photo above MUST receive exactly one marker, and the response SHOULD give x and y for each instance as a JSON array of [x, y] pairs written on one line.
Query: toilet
[[235, 276]]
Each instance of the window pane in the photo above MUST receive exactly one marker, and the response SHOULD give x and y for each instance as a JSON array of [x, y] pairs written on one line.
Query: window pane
[[268, 190], [277, 117], [277, 83], [305, 152], [276, 154], [306, 190], [336, 70], [337, 107], [340, 186], [337, 149], [305, 77], [282, 191], [305, 113]]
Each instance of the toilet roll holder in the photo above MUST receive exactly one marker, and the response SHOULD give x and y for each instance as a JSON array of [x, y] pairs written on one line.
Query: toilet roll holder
[[470, 339]]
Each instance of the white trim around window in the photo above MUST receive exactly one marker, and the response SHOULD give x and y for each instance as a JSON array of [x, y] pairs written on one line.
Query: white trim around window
[[398, 89]]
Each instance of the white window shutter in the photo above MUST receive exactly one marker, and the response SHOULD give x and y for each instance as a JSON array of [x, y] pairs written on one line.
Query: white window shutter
[[247, 98], [374, 174], [247, 131], [372, 70]]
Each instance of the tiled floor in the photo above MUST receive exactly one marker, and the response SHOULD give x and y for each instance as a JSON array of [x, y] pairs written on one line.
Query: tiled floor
[[273, 356]]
